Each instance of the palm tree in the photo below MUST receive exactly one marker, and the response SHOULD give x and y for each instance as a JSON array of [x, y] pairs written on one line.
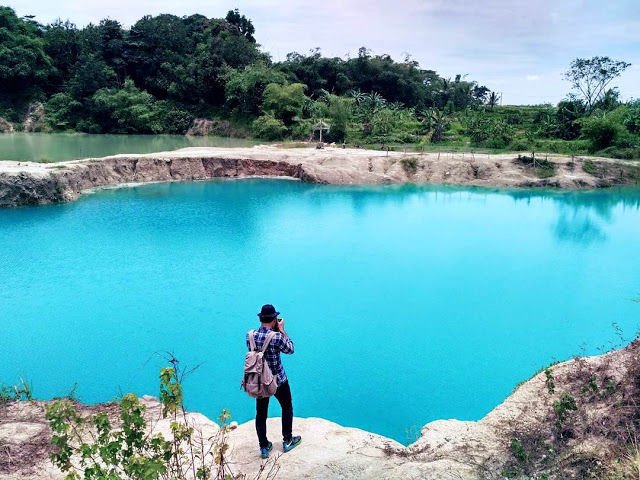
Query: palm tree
[[493, 100]]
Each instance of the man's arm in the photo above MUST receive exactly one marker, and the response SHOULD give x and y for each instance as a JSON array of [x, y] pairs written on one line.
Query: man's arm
[[286, 344]]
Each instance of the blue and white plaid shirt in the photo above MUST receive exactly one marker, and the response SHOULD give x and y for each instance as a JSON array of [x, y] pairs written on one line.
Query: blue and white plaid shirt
[[279, 344]]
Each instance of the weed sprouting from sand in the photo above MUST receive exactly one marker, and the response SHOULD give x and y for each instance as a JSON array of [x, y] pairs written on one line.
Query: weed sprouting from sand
[[20, 391]]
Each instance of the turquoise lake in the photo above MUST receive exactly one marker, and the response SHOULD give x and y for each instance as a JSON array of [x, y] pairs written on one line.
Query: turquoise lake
[[406, 304]]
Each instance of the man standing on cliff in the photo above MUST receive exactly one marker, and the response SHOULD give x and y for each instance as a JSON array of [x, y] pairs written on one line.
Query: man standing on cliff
[[280, 343]]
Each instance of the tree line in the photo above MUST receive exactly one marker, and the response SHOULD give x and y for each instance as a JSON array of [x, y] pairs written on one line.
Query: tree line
[[164, 71]]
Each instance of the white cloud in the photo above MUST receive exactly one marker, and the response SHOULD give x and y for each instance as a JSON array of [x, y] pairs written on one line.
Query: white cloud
[[532, 78]]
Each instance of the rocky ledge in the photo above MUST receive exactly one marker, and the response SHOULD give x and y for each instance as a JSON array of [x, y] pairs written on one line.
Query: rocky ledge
[[576, 419], [28, 183]]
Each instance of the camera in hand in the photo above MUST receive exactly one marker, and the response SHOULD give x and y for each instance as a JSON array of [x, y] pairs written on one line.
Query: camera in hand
[[276, 327]]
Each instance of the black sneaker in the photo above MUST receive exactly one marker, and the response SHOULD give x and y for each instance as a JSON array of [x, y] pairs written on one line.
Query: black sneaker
[[264, 452], [291, 444]]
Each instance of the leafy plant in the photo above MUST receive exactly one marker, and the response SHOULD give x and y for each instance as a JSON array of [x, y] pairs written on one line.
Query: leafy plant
[[19, 391], [410, 165], [601, 131], [589, 167], [549, 380], [100, 447], [268, 127], [563, 407]]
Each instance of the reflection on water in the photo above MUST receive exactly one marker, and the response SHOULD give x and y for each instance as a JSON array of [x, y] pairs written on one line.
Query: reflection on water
[[583, 216], [578, 227], [55, 147]]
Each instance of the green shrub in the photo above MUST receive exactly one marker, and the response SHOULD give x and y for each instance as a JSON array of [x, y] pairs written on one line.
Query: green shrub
[[589, 167], [549, 380], [20, 391], [495, 142], [519, 145], [563, 406], [284, 102], [602, 132], [621, 153], [172, 118], [126, 110], [62, 111], [94, 449], [518, 451], [268, 128], [410, 165], [632, 117]]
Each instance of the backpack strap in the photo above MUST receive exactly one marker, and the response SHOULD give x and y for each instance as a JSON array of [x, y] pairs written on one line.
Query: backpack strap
[[267, 340], [252, 340]]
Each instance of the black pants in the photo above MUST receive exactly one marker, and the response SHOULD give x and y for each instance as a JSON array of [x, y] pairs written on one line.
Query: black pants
[[283, 395]]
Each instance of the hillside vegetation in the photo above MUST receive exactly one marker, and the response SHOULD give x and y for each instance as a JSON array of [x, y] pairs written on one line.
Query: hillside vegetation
[[165, 71]]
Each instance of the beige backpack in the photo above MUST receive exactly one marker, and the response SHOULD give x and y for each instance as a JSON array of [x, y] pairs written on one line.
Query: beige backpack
[[258, 380]]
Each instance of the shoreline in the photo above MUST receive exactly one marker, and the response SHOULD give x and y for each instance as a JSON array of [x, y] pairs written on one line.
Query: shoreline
[[30, 183]]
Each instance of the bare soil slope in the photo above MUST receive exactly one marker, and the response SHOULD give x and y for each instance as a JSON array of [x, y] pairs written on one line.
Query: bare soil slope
[[28, 183]]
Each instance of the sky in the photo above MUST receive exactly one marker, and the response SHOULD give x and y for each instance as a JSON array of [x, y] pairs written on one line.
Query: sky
[[519, 48]]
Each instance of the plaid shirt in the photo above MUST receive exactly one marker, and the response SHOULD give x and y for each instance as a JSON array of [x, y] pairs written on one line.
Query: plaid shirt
[[279, 344]]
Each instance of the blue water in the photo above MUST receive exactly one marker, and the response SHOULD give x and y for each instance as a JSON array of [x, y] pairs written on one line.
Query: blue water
[[406, 304]]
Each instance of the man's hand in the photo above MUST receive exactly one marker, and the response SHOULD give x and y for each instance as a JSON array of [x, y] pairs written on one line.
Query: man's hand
[[281, 326]]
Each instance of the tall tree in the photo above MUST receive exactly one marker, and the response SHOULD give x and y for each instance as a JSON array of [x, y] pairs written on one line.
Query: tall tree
[[23, 61], [590, 77], [242, 24]]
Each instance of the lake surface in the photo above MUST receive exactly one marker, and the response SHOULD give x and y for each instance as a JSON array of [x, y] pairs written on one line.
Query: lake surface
[[56, 147], [406, 304]]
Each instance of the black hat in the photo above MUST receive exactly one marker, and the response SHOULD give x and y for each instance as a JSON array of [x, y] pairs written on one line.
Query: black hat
[[268, 312]]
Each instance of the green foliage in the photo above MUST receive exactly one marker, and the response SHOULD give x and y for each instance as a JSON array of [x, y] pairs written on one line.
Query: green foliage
[[590, 77], [170, 392], [284, 102], [89, 75], [126, 110], [632, 117], [404, 82], [436, 122], [339, 114], [110, 453], [488, 131], [19, 391], [602, 132], [543, 168], [410, 165], [97, 448], [589, 167], [518, 451], [23, 61], [591, 385], [564, 406], [549, 381], [241, 23], [244, 88], [568, 115], [164, 71], [130, 110], [268, 127], [62, 111]]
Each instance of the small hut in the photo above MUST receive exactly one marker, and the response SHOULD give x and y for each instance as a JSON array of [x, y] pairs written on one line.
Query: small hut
[[320, 127]]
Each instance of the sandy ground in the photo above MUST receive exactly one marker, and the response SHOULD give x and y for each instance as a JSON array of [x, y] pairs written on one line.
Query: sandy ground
[[359, 166]]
